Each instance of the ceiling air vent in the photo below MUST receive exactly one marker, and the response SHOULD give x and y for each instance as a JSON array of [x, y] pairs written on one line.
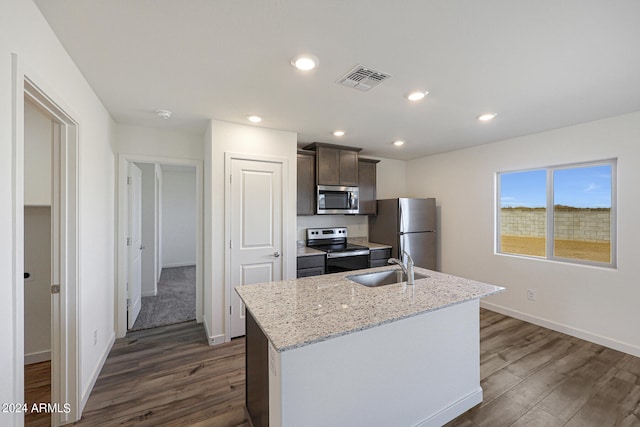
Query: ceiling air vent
[[362, 78]]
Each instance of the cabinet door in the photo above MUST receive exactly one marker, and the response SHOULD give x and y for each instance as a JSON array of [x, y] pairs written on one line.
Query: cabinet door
[[328, 162], [367, 184], [306, 184], [348, 168]]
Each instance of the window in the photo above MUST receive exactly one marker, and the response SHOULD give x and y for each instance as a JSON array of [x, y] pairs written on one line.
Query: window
[[563, 212]]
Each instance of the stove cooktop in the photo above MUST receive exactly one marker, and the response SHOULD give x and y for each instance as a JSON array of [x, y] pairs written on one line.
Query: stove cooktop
[[339, 247]]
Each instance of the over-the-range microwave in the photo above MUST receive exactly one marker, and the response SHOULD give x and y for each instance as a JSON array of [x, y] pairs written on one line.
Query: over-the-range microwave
[[335, 200]]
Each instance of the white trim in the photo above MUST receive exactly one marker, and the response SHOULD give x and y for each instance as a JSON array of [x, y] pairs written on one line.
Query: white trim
[[65, 316], [452, 411], [284, 162], [17, 238], [37, 357], [565, 329], [96, 372], [150, 293], [120, 315]]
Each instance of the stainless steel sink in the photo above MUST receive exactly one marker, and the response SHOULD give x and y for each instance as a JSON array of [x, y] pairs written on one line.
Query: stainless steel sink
[[380, 278]]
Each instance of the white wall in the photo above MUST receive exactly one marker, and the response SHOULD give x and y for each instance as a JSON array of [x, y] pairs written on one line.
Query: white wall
[[24, 32], [391, 179], [37, 155], [157, 142], [149, 280], [178, 216], [599, 304], [224, 137], [37, 288]]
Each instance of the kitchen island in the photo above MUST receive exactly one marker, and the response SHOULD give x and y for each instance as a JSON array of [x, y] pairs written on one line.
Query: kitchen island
[[327, 351]]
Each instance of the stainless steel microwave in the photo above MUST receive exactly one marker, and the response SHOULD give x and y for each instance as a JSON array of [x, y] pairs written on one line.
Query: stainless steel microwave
[[334, 200]]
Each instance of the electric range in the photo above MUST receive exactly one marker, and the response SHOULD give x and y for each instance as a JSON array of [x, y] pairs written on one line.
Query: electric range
[[341, 255]]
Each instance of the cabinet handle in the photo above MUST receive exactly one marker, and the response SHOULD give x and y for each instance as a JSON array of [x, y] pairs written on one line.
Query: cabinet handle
[[276, 254]]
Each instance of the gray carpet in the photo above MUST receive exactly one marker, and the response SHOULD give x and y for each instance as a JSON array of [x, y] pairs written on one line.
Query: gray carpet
[[175, 301]]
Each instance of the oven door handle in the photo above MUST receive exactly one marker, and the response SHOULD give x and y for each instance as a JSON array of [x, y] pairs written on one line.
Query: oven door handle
[[346, 254]]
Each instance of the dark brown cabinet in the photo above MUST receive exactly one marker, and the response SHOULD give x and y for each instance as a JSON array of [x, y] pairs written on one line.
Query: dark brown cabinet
[[306, 183], [335, 164], [257, 373], [379, 257], [310, 265], [367, 184]]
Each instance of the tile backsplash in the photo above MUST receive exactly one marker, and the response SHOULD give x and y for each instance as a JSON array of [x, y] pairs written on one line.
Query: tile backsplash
[[357, 225]]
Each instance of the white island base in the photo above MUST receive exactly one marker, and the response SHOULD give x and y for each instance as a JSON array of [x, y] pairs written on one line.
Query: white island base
[[423, 370]]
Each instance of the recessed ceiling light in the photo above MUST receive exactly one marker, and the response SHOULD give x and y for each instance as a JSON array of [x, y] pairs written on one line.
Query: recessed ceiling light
[[338, 133], [165, 114], [417, 95], [486, 117], [398, 143], [305, 62], [254, 119]]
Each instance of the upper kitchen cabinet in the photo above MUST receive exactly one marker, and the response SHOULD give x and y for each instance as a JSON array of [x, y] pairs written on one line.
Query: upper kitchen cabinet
[[367, 184], [306, 182], [335, 164]]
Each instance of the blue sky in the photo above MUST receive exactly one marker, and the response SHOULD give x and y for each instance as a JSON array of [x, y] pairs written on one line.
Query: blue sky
[[579, 187]]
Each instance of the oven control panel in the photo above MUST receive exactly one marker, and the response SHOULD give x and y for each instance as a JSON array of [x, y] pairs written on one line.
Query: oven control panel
[[326, 233]]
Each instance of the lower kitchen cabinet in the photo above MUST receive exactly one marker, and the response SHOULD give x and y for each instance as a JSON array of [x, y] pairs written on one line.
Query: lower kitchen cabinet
[[310, 265], [379, 257]]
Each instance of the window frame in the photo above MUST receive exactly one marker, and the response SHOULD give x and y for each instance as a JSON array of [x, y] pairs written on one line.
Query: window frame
[[550, 213]]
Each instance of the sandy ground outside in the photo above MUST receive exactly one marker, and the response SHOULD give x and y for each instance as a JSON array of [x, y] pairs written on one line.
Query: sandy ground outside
[[591, 251]]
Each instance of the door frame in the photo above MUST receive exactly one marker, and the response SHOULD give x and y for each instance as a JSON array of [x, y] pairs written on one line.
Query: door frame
[[122, 208], [228, 158], [65, 326]]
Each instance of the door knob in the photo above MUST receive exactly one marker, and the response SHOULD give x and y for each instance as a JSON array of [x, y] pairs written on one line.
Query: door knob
[[276, 254]]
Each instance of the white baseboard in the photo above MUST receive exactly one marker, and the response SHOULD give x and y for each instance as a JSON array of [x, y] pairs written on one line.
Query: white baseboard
[[179, 264], [150, 293], [37, 357], [212, 339], [452, 411], [565, 329], [96, 372]]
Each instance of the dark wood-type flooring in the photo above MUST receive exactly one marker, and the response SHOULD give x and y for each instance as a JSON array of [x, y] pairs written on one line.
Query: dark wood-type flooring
[[169, 376], [37, 389], [531, 376]]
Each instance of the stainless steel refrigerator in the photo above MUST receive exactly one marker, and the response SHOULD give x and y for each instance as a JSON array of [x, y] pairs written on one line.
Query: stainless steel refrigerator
[[407, 224]]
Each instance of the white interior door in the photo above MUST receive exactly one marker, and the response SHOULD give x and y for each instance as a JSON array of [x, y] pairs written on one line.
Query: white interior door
[[134, 245], [256, 230]]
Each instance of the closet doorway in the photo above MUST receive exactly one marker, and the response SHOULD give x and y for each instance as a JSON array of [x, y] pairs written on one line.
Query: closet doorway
[[45, 299]]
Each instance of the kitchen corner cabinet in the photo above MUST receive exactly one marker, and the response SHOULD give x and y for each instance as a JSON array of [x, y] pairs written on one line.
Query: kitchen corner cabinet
[[367, 184], [306, 164], [379, 257], [335, 164]]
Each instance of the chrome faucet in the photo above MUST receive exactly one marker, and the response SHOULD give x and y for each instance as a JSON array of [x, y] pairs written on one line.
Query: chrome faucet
[[407, 266]]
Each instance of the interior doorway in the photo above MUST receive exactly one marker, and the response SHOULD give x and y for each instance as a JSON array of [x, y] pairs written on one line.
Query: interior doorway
[[51, 213], [171, 288], [167, 246]]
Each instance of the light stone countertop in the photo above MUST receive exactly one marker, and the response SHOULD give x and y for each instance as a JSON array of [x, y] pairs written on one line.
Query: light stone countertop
[[299, 312], [306, 251]]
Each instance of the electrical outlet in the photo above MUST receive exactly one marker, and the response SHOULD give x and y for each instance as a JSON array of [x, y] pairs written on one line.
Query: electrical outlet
[[531, 294], [95, 337]]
